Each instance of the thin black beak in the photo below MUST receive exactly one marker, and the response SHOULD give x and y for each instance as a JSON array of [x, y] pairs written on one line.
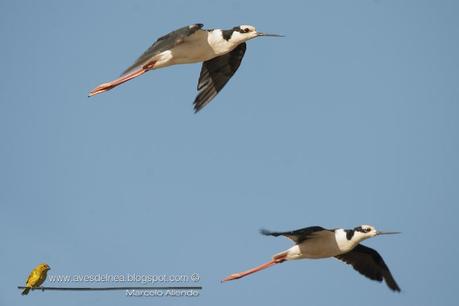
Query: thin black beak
[[267, 34], [386, 233]]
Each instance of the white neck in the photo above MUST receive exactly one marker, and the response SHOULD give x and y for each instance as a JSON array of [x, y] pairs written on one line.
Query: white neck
[[344, 244], [222, 46]]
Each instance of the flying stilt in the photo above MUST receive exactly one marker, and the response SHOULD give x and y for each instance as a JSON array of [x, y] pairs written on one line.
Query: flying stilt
[[221, 52], [344, 244]]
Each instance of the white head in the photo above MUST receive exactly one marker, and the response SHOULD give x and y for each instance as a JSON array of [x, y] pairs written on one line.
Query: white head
[[245, 32], [367, 231]]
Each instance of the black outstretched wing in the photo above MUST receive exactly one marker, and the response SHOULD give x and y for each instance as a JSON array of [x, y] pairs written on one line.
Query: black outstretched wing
[[164, 43], [215, 73], [369, 263], [300, 235]]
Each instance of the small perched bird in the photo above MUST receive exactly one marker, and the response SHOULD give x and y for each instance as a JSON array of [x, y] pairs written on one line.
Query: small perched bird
[[344, 244], [221, 52], [36, 277]]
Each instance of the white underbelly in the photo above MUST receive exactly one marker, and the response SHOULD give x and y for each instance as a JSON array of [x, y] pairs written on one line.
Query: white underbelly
[[314, 249], [196, 48], [187, 53], [183, 55]]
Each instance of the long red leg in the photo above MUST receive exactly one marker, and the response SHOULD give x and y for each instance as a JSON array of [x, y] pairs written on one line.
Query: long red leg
[[107, 86], [270, 263]]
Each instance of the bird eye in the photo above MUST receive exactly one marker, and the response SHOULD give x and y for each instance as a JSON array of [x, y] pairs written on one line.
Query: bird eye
[[246, 30]]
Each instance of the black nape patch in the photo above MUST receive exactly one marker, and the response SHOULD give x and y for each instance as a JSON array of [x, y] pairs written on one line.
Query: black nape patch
[[227, 34], [349, 234]]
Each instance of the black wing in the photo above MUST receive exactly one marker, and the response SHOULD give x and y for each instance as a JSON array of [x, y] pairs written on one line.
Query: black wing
[[298, 236], [215, 73], [369, 263], [164, 43]]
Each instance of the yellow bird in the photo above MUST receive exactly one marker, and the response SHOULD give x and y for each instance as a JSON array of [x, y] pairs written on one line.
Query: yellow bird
[[36, 277]]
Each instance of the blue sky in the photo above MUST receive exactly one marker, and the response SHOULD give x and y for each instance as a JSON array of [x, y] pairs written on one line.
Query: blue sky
[[351, 119]]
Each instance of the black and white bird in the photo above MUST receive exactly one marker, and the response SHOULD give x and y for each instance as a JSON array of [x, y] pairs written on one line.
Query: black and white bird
[[221, 52], [344, 244]]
